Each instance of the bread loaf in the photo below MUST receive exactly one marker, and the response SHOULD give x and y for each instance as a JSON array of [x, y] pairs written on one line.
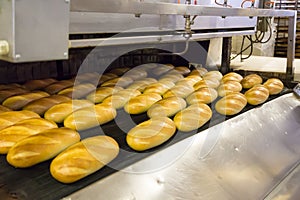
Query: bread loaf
[[18, 102], [193, 117], [151, 133], [173, 77], [161, 69], [23, 129], [6, 93], [179, 91], [274, 85], [105, 77], [120, 81], [160, 87], [41, 147], [231, 104], [191, 80], [38, 84], [203, 95], [58, 86], [90, 117], [4, 109], [213, 75], [141, 103], [59, 112], [182, 70], [10, 86], [102, 92], [232, 76], [84, 158], [119, 99], [141, 84], [88, 77], [78, 91], [40, 106], [199, 71], [206, 83], [119, 71], [135, 74], [11, 117], [228, 87], [251, 80], [166, 107], [256, 95]]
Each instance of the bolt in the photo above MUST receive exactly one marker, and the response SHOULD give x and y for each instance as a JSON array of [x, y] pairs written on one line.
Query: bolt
[[17, 56]]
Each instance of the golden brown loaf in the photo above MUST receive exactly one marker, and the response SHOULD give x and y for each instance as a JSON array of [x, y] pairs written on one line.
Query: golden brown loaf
[[173, 77], [18, 102], [160, 87], [23, 129], [38, 84], [257, 95], [232, 76], [105, 77], [4, 109], [141, 103], [6, 93], [11, 117], [161, 69], [120, 81], [10, 86], [84, 158], [41, 147], [231, 104], [203, 95], [193, 117], [150, 133], [89, 77], [213, 75], [182, 70], [191, 80], [136, 74], [207, 83], [199, 71], [78, 91], [228, 87], [59, 112], [166, 107], [274, 85], [58, 86], [119, 71], [141, 84], [179, 91], [102, 92], [40, 106], [90, 117], [251, 80], [119, 99]]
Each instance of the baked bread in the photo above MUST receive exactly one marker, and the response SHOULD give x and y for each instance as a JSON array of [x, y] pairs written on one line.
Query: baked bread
[[160, 87], [6, 93], [203, 95], [231, 104], [251, 80], [274, 85], [22, 129], [58, 86], [193, 117], [182, 70], [4, 109], [88, 77], [228, 87], [120, 82], [150, 133], [19, 101], [90, 117], [78, 91], [206, 83], [256, 95], [199, 71], [141, 103], [179, 91], [213, 75], [11, 117], [173, 77], [141, 84], [59, 112], [232, 76], [119, 99], [102, 92], [40, 106], [84, 158], [119, 71], [105, 77], [41, 147], [191, 80], [38, 84], [10, 86], [166, 107], [135, 74], [161, 69]]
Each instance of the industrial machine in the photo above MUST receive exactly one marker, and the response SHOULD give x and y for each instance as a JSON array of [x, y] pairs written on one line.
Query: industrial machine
[[254, 155]]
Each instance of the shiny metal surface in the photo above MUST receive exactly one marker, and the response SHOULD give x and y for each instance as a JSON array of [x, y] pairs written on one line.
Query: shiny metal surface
[[245, 157]]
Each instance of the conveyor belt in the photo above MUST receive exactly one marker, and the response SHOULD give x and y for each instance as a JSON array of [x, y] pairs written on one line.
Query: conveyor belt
[[37, 183]]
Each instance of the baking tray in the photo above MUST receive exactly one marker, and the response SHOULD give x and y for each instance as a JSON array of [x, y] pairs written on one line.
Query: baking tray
[[36, 182]]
